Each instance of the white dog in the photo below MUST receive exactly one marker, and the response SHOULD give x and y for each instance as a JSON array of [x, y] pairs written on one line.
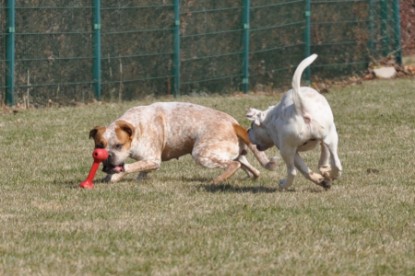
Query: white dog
[[298, 123]]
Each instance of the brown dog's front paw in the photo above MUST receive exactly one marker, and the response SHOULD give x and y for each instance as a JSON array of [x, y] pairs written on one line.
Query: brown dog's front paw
[[112, 178]]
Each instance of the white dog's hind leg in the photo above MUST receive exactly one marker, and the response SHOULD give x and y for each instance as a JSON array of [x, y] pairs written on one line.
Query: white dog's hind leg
[[324, 162], [331, 142], [309, 174], [288, 155]]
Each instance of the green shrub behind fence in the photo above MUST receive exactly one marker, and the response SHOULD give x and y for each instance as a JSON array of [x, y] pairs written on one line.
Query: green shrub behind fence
[[63, 51]]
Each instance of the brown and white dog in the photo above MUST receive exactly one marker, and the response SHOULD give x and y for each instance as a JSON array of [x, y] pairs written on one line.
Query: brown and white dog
[[302, 120], [166, 130]]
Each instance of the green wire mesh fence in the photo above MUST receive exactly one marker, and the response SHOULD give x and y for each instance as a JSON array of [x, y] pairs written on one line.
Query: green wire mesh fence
[[77, 51]]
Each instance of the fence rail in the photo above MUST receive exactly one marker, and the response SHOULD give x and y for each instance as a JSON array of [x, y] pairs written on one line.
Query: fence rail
[[77, 50]]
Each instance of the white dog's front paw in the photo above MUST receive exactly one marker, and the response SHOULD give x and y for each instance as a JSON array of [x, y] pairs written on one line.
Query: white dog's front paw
[[316, 177], [329, 173], [326, 184], [322, 180], [325, 171], [282, 185], [335, 174], [272, 164]]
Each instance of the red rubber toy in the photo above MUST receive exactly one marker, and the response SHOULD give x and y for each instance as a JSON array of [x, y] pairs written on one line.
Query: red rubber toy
[[99, 155]]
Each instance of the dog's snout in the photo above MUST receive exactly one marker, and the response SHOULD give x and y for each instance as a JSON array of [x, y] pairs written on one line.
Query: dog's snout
[[111, 166], [111, 157], [107, 163]]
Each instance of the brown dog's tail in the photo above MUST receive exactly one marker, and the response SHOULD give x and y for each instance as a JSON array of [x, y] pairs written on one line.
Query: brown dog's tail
[[262, 158]]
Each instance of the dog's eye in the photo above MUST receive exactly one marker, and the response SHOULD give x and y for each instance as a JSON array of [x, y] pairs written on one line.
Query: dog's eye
[[117, 146]]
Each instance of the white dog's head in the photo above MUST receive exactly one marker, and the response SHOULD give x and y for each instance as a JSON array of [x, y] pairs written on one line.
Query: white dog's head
[[117, 140], [258, 133]]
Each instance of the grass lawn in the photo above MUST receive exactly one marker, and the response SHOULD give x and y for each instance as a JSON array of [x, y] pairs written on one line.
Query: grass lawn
[[175, 222]]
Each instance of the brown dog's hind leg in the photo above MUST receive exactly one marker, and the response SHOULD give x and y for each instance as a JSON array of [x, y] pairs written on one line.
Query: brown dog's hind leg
[[263, 159], [232, 167], [248, 168]]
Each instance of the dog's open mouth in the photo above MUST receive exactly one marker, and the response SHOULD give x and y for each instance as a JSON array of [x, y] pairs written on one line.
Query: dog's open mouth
[[111, 169]]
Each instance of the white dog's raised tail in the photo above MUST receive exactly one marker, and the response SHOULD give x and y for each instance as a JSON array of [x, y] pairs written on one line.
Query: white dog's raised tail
[[296, 82]]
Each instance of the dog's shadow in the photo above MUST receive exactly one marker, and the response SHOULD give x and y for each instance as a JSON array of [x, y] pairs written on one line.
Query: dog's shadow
[[211, 188], [74, 184], [227, 188]]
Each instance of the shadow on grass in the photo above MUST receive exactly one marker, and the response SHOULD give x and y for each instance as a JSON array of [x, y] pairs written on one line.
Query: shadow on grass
[[212, 188], [227, 188], [74, 184], [315, 190]]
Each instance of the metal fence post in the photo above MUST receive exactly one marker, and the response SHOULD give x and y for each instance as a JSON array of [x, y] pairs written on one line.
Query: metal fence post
[[397, 31], [10, 52], [307, 49], [97, 48], [245, 55], [371, 43], [384, 27], [176, 54]]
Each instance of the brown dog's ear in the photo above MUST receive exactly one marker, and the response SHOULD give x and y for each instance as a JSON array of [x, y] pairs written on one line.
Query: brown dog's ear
[[126, 127], [96, 130], [97, 134]]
